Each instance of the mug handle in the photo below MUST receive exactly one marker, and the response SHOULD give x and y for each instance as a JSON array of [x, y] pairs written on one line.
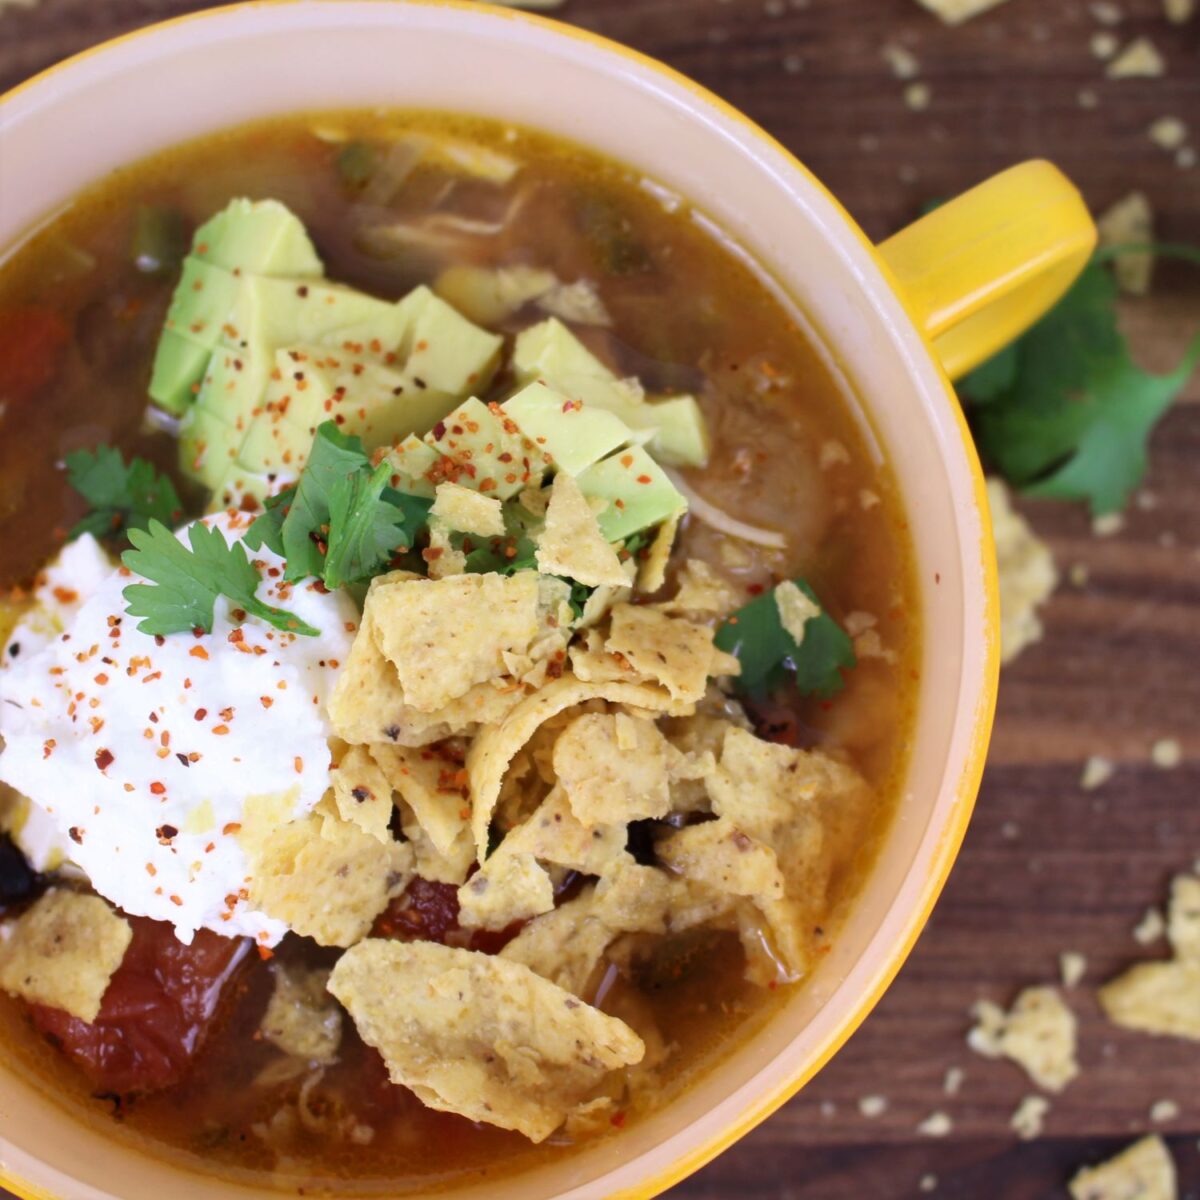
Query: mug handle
[[979, 270]]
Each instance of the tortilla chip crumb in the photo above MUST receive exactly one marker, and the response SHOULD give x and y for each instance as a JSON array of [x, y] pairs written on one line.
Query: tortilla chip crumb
[[1097, 772], [902, 60], [795, 609], [467, 511], [953, 1081], [480, 1035], [1072, 968], [62, 952], [1150, 928], [1028, 1119], [1179, 11], [1168, 133], [1130, 222], [1108, 524], [571, 544], [1143, 1171], [1156, 997], [1163, 1110], [1166, 754], [872, 1106], [918, 95], [937, 1124], [1038, 1033], [1183, 918], [927, 1183], [302, 1019], [1027, 574], [1139, 60], [954, 12]]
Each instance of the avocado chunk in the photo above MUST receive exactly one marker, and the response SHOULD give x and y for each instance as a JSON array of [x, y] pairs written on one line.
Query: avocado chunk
[[179, 363], [638, 492], [674, 428], [273, 445], [259, 237], [570, 433], [203, 302], [486, 451], [208, 446], [241, 489], [233, 385], [447, 352]]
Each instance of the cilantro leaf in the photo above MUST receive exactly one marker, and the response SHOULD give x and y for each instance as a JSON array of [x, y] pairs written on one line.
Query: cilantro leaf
[[185, 583], [267, 528], [123, 496], [364, 529], [1065, 411], [769, 654]]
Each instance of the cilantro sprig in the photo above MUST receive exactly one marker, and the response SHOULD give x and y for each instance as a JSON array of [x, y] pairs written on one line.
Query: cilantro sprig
[[1065, 411], [123, 496], [185, 581], [769, 654], [342, 522]]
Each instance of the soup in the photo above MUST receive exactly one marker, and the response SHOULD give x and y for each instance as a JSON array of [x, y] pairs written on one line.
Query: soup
[[548, 791]]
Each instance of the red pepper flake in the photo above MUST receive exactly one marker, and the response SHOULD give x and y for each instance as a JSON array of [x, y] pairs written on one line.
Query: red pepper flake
[[104, 759], [265, 953], [176, 900], [151, 870], [627, 460], [236, 636], [231, 828], [101, 679], [76, 835], [298, 763], [220, 730], [158, 789], [48, 747], [618, 1120], [198, 652], [65, 595], [644, 479], [265, 701], [165, 833], [200, 714], [227, 713]]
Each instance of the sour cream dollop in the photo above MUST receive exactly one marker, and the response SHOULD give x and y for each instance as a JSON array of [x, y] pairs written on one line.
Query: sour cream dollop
[[143, 751]]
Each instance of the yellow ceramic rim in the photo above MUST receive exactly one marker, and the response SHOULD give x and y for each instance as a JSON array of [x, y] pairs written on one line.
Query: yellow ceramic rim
[[968, 784]]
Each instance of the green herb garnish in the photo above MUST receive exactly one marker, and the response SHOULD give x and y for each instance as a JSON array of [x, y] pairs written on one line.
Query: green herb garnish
[[1065, 411], [185, 583], [769, 654], [341, 523], [123, 496]]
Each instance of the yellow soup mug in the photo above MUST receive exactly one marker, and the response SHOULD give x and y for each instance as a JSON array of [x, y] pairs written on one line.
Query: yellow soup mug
[[894, 322]]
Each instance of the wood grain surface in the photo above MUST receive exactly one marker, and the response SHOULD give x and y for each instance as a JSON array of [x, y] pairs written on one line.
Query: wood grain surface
[[1046, 867]]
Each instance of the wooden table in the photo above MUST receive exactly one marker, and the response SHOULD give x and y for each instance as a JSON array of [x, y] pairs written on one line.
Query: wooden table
[[1047, 867]]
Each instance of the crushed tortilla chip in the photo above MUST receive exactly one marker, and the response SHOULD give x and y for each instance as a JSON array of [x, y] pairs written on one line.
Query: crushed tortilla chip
[[702, 593], [465, 510], [433, 787], [1038, 1034], [795, 609], [571, 544], [666, 650], [496, 746], [652, 573], [479, 1035], [1143, 1171], [1139, 60], [1156, 997], [719, 855], [430, 863], [443, 559], [443, 636], [362, 793], [954, 12], [613, 768], [1183, 918], [62, 952], [302, 1019], [1027, 574], [1130, 222], [322, 876], [510, 887]]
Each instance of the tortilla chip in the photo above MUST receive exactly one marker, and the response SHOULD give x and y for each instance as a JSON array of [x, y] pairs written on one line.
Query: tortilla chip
[[702, 593], [323, 877], [1156, 997], [1183, 918], [571, 543], [62, 952], [495, 747], [302, 1019], [1038, 1034], [443, 559], [468, 511], [1143, 1171], [652, 573], [662, 649], [480, 1035], [720, 856], [362, 793], [434, 787], [443, 636], [510, 887], [795, 609], [428, 861], [602, 601], [613, 768]]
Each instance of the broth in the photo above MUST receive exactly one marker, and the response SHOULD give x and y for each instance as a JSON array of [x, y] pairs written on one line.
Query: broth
[[686, 315]]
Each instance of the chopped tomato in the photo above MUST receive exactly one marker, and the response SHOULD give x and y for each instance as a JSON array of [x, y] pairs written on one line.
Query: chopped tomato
[[427, 911], [31, 345], [157, 1011]]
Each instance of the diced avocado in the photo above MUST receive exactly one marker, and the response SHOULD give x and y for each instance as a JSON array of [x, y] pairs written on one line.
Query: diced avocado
[[639, 493], [273, 445], [448, 353], [486, 451], [203, 302], [179, 364], [241, 489], [260, 237], [411, 461], [550, 351], [570, 433], [233, 385], [673, 429], [208, 446]]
